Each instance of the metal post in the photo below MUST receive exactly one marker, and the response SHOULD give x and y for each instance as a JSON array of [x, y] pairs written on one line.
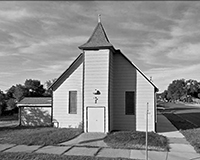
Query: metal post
[[147, 112]]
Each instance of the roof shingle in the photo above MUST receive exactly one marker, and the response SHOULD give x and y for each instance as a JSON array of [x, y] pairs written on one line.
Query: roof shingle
[[35, 101], [98, 39]]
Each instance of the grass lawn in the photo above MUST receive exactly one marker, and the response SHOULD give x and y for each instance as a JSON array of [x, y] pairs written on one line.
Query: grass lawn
[[34, 156], [37, 135], [193, 136], [9, 118], [136, 140], [189, 130], [178, 122]]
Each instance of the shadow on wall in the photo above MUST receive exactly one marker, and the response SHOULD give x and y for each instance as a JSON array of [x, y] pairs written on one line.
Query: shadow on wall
[[36, 116]]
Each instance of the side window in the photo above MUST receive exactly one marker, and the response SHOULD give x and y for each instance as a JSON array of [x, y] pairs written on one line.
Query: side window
[[72, 102], [130, 102]]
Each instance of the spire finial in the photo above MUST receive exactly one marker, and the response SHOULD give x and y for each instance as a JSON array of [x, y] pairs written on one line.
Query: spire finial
[[99, 18]]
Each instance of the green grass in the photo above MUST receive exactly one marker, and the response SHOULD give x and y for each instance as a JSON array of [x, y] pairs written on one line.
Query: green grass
[[37, 135], [136, 140], [34, 156]]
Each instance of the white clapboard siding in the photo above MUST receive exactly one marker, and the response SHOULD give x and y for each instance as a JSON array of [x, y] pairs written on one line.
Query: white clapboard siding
[[124, 79], [96, 77], [145, 94], [61, 100], [35, 116]]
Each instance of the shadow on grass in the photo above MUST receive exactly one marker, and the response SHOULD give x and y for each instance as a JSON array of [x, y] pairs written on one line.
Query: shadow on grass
[[184, 121], [12, 128], [35, 116], [183, 117], [137, 140]]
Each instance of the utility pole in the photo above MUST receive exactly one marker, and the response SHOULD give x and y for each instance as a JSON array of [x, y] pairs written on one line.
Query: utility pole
[[147, 112]]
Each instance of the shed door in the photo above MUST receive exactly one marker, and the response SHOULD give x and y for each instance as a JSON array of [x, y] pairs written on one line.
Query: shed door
[[95, 119]]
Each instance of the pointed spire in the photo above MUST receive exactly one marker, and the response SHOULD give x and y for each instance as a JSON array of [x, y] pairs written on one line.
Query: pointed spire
[[98, 39]]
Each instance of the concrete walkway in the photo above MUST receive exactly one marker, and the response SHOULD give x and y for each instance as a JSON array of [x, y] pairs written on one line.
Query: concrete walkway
[[180, 149], [92, 144]]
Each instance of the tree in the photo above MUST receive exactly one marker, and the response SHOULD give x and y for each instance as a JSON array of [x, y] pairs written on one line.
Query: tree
[[2, 102], [47, 84], [20, 92], [192, 88], [176, 90], [34, 87], [11, 104], [10, 91], [164, 95]]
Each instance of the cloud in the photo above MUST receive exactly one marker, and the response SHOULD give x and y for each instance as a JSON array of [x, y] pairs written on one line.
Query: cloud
[[6, 74], [187, 52], [162, 77], [134, 26], [154, 53], [2, 54], [56, 68], [53, 45], [176, 41], [14, 15]]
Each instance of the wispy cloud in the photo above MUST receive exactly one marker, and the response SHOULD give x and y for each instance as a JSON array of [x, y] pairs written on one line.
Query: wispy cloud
[[163, 76], [50, 44], [188, 52], [6, 74], [14, 15], [57, 68], [40, 39]]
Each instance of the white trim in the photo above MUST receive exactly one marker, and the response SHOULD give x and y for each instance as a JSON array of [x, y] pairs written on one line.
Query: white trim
[[144, 75], [38, 105]]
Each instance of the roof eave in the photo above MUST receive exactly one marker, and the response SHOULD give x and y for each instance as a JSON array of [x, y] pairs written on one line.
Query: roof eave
[[95, 47], [32, 105]]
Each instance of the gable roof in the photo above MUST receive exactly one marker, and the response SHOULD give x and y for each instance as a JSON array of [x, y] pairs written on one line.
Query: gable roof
[[98, 39], [67, 72], [138, 70], [35, 101]]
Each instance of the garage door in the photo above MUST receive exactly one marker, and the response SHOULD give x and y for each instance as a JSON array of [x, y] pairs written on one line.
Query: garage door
[[95, 119]]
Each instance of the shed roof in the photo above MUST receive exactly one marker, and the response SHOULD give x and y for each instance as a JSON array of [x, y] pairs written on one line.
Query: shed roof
[[98, 39], [35, 101]]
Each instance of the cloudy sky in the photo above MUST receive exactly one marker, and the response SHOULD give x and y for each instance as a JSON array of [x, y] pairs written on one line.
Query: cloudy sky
[[39, 40]]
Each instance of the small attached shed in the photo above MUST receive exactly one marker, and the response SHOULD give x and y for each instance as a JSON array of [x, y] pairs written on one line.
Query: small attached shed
[[35, 111]]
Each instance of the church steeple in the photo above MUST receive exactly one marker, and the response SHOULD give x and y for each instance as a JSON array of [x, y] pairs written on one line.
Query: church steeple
[[98, 39]]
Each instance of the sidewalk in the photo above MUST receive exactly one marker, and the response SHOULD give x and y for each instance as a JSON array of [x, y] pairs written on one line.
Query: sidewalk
[[92, 144], [180, 149], [83, 151]]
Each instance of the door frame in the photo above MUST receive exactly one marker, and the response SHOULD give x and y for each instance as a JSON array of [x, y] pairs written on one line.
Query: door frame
[[104, 109]]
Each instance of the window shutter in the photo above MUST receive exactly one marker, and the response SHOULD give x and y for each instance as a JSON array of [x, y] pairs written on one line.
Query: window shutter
[[130, 102], [72, 102]]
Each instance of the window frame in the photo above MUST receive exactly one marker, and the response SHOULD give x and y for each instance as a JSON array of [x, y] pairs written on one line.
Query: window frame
[[70, 109]]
